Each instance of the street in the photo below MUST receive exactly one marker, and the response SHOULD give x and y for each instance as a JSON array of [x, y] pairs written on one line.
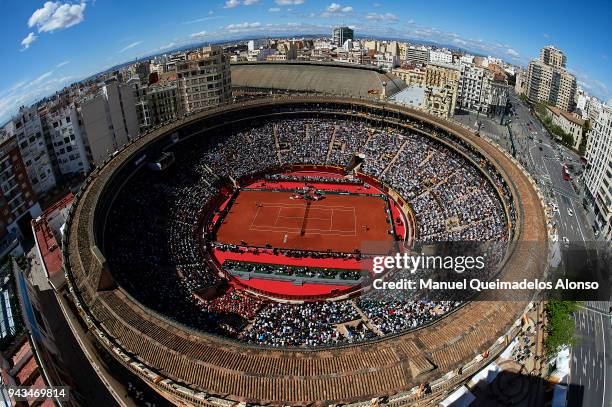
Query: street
[[591, 362]]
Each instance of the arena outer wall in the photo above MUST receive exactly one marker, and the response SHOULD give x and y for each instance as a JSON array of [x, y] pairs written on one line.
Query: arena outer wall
[[190, 367]]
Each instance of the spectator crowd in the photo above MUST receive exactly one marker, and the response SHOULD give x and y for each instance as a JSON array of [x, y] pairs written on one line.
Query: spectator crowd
[[156, 251]]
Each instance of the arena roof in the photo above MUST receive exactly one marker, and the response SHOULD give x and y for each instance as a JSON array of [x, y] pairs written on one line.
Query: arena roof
[[192, 367], [330, 78]]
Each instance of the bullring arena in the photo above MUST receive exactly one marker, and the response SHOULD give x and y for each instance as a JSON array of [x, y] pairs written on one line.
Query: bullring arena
[[235, 274]]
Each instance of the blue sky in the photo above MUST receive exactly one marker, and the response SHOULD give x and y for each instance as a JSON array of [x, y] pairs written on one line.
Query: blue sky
[[47, 45]]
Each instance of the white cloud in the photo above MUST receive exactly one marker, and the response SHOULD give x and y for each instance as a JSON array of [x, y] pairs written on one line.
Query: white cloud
[[62, 64], [274, 9], [512, 53], [289, 2], [27, 41], [231, 3], [198, 34], [130, 46], [250, 2], [336, 10], [381, 17], [333, 8], [56, 16], [26, 92], [243, 25], [201, 20], [42, 77], [167, 46]]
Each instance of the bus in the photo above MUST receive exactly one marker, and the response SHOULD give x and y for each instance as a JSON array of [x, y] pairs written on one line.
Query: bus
[[566, 175]]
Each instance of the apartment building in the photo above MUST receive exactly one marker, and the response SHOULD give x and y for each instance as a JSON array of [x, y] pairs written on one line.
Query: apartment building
[[466, 59], [204, 80], [64, 136], [252, 45], [497, 98], [417, 55], [370, 44], [18, 202], [520, 86], [548, 81], [445, 78], [570, 123], [441, 56], [440, 101], [155, 103], [432, 89], [341, 34], [474, 86], [288, 49], [592, 108], [27, 127], [553, 57], [108, 119], [597, 177], [413, 76]]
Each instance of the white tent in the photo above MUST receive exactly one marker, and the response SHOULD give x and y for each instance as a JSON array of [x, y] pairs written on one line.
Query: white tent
[[462, 397], [563, 360]]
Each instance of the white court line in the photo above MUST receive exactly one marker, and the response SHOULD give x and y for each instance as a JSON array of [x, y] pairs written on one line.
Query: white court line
[[280, 206], [277, 215], [312, 232], [301, 217], [255, 217], [287, 228], [288, 206]]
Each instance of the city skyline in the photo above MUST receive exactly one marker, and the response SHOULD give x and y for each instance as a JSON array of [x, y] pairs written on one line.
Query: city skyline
[[50, 44]]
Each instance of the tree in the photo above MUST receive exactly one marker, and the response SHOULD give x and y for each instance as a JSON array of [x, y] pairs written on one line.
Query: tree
[[560, 326], [586, 127]]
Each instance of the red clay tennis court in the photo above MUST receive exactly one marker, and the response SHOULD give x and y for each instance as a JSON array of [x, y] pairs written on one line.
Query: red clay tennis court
[[338, 222]]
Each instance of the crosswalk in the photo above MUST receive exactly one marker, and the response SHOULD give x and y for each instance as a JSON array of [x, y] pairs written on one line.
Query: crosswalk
[[601, 306]]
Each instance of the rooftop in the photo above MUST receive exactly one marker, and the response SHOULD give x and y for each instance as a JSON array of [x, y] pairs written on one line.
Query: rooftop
[[46, 229], [412, 96], [331, 78], [567, 115]]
